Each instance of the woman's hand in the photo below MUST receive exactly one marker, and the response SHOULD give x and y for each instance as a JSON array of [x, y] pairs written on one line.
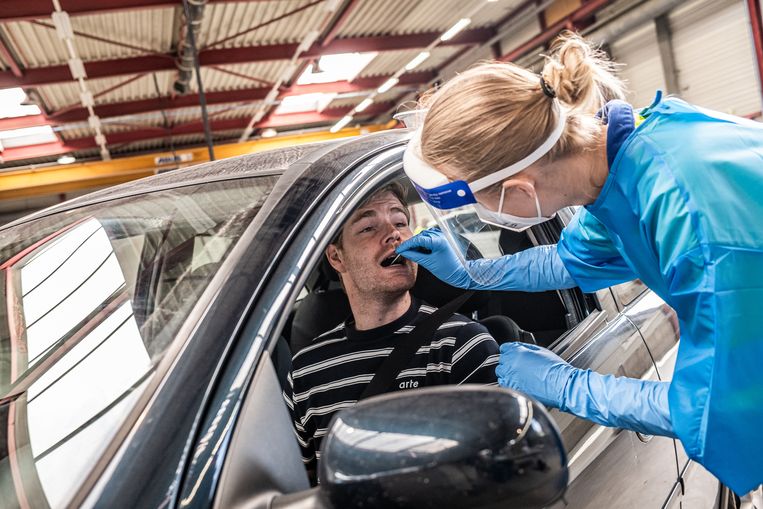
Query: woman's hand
[[431, 250]]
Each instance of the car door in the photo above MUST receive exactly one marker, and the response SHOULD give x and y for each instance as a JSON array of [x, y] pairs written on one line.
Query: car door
[[658, 325], [611, 467]]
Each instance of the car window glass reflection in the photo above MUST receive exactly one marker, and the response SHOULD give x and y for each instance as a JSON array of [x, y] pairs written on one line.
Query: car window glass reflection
[[53, 305], [90, 303]]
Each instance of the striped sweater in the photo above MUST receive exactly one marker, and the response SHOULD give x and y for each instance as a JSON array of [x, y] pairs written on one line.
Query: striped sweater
[[333, 372]]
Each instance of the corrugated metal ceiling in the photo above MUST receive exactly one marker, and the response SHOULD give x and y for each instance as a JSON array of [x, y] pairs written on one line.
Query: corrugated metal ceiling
[[373, 17], [63, 95], [388, 62], [152, 29], [222, 20], [157, 30]]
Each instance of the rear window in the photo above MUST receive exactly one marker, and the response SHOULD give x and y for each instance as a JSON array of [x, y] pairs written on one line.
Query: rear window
[[90, 301]]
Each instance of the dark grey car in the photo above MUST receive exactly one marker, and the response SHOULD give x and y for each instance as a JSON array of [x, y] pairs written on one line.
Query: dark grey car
[[145, 330]]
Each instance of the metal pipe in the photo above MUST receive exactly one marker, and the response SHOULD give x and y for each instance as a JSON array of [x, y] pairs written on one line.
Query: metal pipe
[[193, 13], [192, 31]]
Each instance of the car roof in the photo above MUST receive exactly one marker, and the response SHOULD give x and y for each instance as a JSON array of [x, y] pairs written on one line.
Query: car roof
[[271, 162]]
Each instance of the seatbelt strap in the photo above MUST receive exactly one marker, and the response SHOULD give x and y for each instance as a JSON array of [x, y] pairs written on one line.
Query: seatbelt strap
[[422, 334]]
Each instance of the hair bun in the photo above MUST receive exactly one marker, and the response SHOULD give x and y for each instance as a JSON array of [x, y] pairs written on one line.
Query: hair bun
[[582, 75]]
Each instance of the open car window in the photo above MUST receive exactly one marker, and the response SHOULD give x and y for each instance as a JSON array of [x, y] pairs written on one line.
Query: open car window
[[90, 301]]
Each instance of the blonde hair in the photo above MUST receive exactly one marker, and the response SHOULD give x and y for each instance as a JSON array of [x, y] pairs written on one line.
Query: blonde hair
[[497, 113]]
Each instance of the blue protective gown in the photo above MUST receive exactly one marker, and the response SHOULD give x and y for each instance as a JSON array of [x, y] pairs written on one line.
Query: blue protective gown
[[682, 210]]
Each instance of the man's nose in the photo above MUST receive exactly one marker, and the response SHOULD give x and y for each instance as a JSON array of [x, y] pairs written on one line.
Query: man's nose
[[393, 235]]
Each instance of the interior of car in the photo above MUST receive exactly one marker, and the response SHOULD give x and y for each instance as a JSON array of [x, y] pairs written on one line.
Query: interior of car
[[540, 318]]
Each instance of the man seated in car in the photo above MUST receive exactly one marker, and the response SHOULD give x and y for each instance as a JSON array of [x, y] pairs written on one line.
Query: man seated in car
[[332, 373]]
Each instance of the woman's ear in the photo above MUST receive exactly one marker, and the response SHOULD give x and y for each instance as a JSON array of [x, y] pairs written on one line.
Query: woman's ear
[[334, 257], [520, 184]]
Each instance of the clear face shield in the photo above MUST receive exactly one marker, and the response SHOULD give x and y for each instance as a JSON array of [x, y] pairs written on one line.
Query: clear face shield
[[473, 230]]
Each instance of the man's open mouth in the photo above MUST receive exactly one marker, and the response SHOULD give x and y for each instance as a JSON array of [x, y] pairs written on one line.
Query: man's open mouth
[[395, 259]]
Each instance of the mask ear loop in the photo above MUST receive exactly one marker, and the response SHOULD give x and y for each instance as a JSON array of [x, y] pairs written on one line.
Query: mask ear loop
[[500, 202], [537, 203]]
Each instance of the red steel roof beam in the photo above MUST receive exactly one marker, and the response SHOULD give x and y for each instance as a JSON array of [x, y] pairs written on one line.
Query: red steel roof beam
[[151, 63], [264, 23], [7, 57], [340, 22], [111, 110], [397, 42], [586, 10], [33, 151], [7, 124], [20, 10], [326, 116], [56, 148], [229, 96], [100, 69]]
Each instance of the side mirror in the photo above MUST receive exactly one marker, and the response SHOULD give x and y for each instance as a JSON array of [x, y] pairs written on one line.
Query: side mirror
[[444, 447]]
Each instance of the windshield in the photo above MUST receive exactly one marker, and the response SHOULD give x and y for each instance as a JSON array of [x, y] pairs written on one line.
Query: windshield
[[90, 300]]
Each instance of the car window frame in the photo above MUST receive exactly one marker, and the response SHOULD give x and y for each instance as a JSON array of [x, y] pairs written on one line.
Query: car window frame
[[340, 200], [79, 203]]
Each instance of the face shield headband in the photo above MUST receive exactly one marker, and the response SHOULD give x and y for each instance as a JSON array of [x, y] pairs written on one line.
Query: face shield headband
[[439, 192]]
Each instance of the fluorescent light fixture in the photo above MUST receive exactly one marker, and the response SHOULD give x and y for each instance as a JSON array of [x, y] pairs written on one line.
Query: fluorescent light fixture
[[341, 67], [304, 102], [12, 104], [417, 60], [387, 85], [343, 122], [363, 105], [27, 136], [66, 160], [452, 31], [268, 133]]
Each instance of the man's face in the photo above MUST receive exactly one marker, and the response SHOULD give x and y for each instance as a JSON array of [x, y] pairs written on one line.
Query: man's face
[[369, 237]]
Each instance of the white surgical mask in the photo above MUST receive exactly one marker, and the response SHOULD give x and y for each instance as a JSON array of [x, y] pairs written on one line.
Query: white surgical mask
[[509, 221]]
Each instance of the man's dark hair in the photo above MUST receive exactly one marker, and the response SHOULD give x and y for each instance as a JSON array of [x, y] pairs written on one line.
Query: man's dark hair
[[396, 189]]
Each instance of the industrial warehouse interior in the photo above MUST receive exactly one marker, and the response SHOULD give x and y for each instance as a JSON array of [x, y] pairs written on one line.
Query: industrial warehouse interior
[[381, 253]]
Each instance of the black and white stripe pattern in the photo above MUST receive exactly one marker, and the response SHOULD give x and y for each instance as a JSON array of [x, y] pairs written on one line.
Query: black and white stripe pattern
[[332, 373]]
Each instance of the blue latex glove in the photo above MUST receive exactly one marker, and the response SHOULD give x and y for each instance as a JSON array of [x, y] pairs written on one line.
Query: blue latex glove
[[533, 270], [628, 403]]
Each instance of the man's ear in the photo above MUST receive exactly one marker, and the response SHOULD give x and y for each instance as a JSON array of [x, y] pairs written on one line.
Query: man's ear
[[335, 258]]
